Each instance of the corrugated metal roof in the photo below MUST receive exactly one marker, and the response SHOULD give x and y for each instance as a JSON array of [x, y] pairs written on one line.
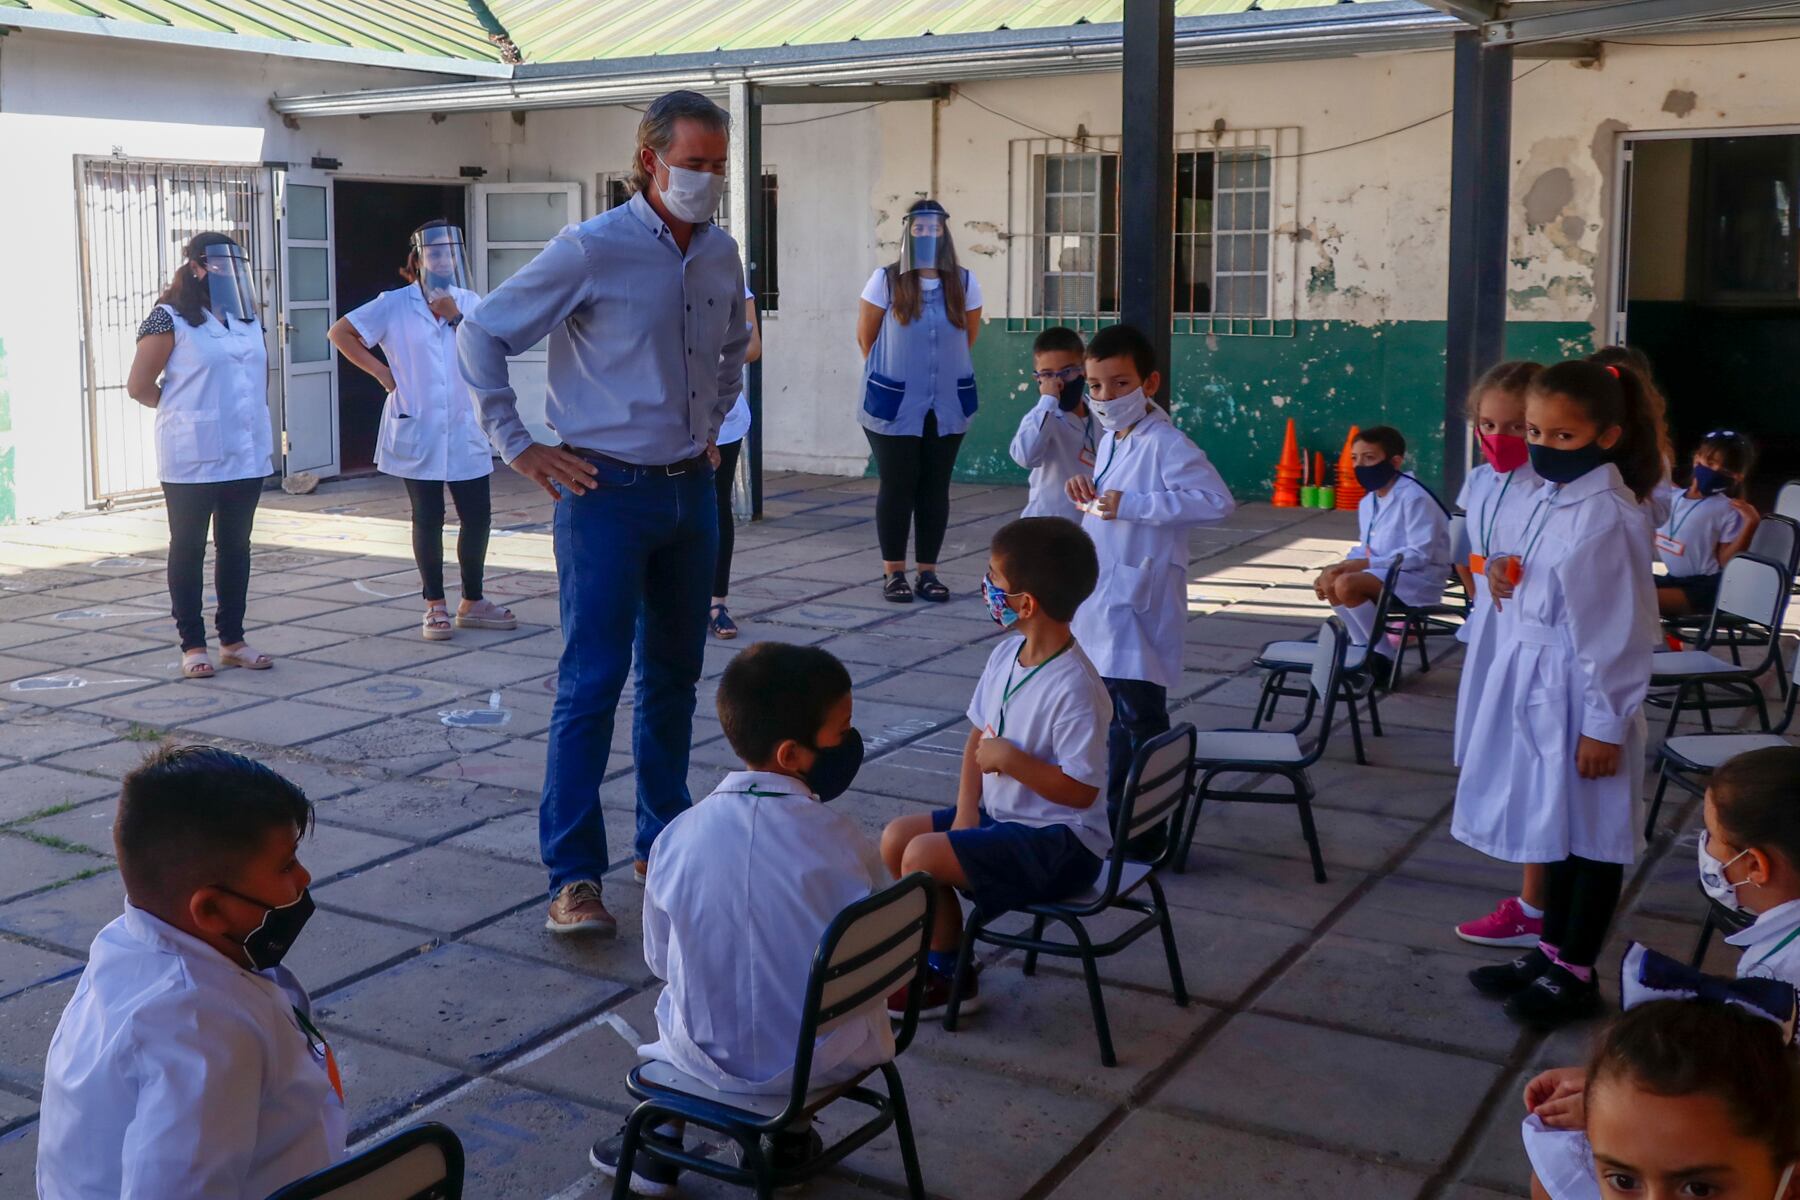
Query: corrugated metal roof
[[441, 29], [548, 31]]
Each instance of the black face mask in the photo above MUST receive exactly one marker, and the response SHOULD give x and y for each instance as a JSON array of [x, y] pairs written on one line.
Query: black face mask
[[1566, 466], [835, 767], [1072, 392], [1374, 478], [269, 942]]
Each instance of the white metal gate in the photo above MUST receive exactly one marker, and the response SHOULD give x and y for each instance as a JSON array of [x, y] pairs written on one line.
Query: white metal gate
[[135, 218]]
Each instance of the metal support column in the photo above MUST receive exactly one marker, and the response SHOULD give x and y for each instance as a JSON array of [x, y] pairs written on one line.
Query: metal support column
[[1147, 179], [747, 226], [1480, 179]]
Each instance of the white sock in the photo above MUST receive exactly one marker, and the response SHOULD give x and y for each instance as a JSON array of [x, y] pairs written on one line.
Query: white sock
[[1359, 622], [1536, 914]]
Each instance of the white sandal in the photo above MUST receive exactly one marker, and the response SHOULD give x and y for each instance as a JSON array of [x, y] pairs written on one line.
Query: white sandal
[[196, 664], [485, 614], [246, 657], [436, 626]]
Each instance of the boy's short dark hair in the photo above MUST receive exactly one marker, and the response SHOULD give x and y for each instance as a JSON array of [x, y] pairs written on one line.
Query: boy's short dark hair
[[1050, 557], [1124, 341], [190, 815], [1391, 440], [1058, 339], [775, 691], [1753, 795]]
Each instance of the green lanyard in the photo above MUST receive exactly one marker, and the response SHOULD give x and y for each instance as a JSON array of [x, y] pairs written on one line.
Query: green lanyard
[[1681, 519], [1534, 516], [1011, 689], [1110, 458], [1493, 515], [1779, 947]]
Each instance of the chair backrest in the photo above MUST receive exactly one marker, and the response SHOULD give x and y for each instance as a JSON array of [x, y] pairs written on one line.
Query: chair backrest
[[1787, 500], [421, 1163], [1156, 793], [1327, 671], [1777, 538], [869, 950], [1754, 589]]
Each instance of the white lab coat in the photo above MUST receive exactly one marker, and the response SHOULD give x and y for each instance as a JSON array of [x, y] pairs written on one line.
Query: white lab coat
[[1494, 504], [1771, 947], [176, 1072], [430, 427], [1574, 661], [737, 421], [212, 423], [1688, 539], [1131, 626], [1055, 446], [739, 891], [1408, 522]]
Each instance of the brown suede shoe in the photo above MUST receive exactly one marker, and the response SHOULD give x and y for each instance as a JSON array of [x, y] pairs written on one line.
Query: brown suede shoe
[[577, 909]]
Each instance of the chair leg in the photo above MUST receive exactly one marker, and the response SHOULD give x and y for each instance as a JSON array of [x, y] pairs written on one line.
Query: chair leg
[[1700, 947], [1031, 956], [965, 956], [1265, 703], [1656, 801], [1762, 705], [1304, 803], [1374, 709], [903, 1132], [1186, 845], [1424, 656], [1675, 710], [1090, 968], [1705, 709], [634, 1132], [1176, 980], [1362, 759]]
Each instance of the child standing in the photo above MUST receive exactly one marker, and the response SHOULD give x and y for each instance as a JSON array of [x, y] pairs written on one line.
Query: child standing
[[1055, 440], [187, 1063], [1397, 517], [1025, 828], [1151, 486], [742, 886], [1554, 763], [1709, 524]]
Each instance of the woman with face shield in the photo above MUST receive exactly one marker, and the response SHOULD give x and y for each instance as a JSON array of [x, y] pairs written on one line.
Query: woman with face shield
[[202, 364], [917, 323], [431, 435]]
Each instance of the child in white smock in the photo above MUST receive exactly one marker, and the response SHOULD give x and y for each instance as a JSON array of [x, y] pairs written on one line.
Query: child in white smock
[[1056, 437]]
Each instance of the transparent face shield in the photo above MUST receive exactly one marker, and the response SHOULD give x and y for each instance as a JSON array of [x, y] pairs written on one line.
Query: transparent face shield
[[443, 264], [228, 282], [925, 242]]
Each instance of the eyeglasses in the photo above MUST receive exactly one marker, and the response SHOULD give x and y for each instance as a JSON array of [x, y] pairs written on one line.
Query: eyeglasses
[[1064, 373]]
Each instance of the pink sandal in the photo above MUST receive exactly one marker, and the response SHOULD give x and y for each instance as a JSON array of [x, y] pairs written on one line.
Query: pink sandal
[[436, 625], [196, 664], [485, 614]]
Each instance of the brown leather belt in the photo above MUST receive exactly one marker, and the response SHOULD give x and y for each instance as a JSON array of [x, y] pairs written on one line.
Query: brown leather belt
[[607, 460]]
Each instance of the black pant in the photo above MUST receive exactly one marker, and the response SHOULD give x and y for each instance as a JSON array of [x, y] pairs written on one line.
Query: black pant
[[1140, 712], [230, 509], [474, 512], [915, 490], [1580, 896], [723, 478]]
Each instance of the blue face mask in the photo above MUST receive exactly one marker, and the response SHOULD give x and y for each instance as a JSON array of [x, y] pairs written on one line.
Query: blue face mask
[[1711, 482], [1003, 615], [1566, 466]]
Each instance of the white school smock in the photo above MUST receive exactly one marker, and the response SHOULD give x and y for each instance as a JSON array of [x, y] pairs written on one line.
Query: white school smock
[[1494, 503], [430, 428], [740, 889], [1771, 946], [1574, 661], [1055, 446], [212, 423], [1131, 626], [176, 1072], [737, 421], [1060, 714], [1409, 522], [1688, 539]]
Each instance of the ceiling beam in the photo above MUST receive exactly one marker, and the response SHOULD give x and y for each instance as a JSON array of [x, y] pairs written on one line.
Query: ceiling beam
[[1597, 18], [1475, 12], [851, 93]]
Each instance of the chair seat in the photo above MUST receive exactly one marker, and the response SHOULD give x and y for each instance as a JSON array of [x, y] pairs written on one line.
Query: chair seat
[[1131, 877], [1705, 752], [1671, 665], [1233, 745], [660, 1076], [1298, 656]]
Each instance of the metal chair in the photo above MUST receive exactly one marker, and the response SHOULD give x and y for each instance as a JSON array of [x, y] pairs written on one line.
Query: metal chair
[[1752, 591], [421, 1163], [1687, 760], [1156, 796], [1787, 500], [1249, 752], [868, 951], [1777, 538]]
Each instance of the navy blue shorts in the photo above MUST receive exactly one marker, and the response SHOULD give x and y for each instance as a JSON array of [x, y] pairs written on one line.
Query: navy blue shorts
[[1010, 865], [1701, 590]]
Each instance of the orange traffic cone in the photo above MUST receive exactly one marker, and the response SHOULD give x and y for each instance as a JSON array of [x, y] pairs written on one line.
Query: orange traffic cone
[[1349, 492], [1288, 472]]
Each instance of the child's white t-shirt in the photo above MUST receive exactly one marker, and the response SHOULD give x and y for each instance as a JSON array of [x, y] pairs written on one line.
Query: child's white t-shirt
[[1059, 712], [1688, 541]]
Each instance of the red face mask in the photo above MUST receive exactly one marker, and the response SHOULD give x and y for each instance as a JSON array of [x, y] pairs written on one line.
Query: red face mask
[[1503, 451]]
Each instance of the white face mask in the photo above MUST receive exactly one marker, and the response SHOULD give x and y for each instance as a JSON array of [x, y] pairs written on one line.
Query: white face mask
[[1712, 876], [693, 196], [1121, 412]]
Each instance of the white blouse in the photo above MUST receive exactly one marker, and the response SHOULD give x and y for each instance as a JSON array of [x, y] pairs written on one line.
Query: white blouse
[[212, 423], [429, 426]]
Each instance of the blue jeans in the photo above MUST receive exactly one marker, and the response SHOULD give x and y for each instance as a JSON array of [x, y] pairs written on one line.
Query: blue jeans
[[1140, 712], [634, 564]]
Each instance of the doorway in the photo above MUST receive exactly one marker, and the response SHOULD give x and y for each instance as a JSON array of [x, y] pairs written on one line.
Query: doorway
[[1712, 289], [373, 222]]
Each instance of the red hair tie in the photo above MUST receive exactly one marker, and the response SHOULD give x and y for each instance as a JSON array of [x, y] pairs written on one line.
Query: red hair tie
[[1613, 369]]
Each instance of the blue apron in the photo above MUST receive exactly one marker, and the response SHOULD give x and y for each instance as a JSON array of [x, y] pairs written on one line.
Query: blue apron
[[919, 368]]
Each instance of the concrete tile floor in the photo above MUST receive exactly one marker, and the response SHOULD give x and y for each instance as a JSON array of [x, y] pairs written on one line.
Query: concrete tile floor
[[1332, 1046]]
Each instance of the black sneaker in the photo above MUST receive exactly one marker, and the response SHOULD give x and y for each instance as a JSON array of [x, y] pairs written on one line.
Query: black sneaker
[[1556, 998], [1510, 978], [650, 1176], [789, 1151]]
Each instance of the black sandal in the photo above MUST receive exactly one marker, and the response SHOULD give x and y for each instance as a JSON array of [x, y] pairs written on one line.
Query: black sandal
[[895, 589], [931, 588]]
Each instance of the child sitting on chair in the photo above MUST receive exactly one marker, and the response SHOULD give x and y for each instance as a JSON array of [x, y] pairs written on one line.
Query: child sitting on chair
[[740, 889], [1026, 828]]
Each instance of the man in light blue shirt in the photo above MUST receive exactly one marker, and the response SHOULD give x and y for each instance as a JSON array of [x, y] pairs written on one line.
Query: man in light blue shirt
[[643, 306]]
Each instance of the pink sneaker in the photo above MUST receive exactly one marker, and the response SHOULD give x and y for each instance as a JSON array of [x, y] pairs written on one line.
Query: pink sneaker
[[1507, 925]]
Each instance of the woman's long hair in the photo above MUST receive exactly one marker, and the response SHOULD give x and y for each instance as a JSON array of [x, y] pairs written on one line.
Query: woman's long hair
[[186, 294], [1630, 358], [904, 293], [1615, 396]]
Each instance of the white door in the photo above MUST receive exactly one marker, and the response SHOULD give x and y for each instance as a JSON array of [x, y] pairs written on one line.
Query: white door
[[308, 298], [512, 222]]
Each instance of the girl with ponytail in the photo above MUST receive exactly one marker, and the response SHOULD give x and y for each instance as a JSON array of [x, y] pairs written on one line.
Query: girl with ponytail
[[1554, 763]]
